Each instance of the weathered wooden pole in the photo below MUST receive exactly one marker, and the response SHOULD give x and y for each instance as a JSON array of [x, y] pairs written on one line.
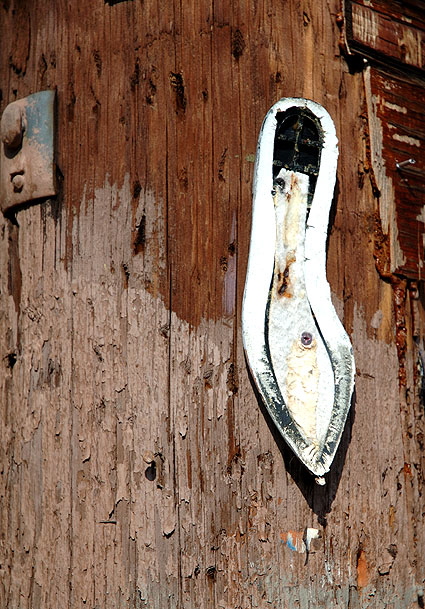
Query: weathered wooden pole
[[139, 467]]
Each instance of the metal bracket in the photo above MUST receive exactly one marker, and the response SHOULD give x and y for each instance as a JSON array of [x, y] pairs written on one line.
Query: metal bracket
[[298, 351], [27, 168]]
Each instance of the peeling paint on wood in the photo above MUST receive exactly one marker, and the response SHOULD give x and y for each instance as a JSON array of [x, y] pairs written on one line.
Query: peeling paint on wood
[[395, 115], [384, 32], [301, 541], [114, 350]]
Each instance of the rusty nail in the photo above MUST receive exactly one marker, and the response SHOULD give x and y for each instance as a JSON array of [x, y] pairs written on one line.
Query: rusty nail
[[306, 339], [404, 163]]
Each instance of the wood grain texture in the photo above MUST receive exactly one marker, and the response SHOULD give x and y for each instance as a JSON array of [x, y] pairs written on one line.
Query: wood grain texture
[[380, 29], [395, 108], [138, 468]]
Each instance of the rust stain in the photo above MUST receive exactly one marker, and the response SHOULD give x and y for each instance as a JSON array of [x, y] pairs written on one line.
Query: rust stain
[[294, 186], [399, 291], [381, 249], [363, 574], [407, 469], [283, 279]]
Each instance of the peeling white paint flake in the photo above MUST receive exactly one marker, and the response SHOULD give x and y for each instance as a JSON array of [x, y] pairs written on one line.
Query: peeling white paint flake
[[411, 43], [387, 207], [412, 141], [421, 217], [365, 26], [395, 107], [310, 534], [297, 349]]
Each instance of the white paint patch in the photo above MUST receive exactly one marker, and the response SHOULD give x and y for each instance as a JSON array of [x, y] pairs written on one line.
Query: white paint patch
[[311, 534], [412, 42], [395, 107], [412, 141], [365, 27]]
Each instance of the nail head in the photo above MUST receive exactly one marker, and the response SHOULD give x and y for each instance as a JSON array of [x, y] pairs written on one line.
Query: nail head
[[306, 339], [18, 182]]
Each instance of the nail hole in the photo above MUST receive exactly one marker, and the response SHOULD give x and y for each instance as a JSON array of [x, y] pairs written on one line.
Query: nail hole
[[150, 472], [11, 360], [211, 572]]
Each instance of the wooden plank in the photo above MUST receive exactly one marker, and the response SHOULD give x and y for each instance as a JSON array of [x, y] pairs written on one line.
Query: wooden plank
[[396, 113], [386, 32]]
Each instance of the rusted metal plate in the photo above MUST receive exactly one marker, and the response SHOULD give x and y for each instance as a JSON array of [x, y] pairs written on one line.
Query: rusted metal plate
[[379, 29], [27, 151], [397, 134], [297, 349]]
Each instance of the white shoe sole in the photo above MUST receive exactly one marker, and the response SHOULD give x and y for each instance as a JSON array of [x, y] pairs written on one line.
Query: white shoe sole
[[297, 349]]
